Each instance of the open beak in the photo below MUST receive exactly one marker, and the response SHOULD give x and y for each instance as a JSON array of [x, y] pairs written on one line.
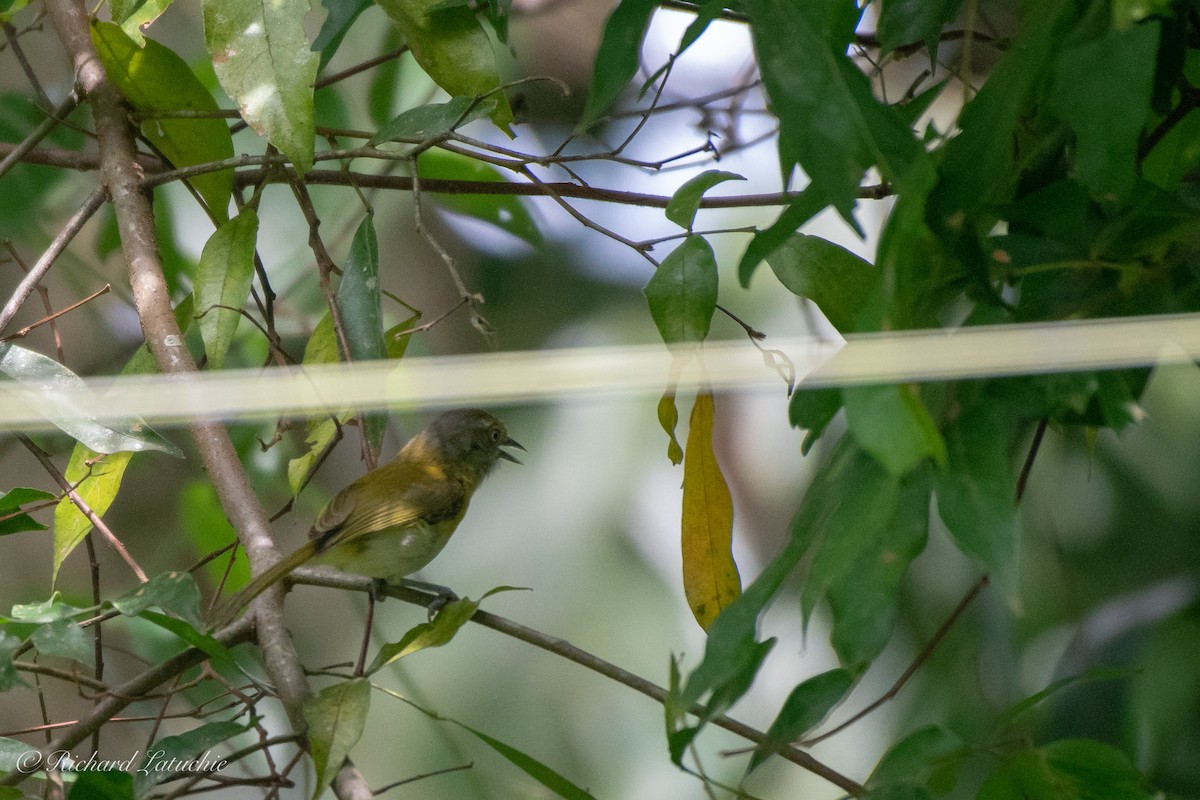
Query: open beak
[[510, 442]]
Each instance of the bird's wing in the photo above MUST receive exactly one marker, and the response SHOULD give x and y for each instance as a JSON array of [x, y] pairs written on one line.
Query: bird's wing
[[351, 514]]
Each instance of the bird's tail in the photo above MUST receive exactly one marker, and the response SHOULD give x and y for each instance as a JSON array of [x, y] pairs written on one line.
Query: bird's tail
[[227, 610]]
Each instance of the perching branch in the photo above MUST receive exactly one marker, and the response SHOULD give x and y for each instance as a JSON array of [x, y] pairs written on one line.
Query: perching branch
[[135, 221], [565, 649]]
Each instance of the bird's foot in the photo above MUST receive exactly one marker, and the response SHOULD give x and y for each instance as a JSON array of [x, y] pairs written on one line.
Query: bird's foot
[[443, 595]]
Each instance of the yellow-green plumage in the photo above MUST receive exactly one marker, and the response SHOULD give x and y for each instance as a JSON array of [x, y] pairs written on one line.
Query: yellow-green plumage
[[394, 520]]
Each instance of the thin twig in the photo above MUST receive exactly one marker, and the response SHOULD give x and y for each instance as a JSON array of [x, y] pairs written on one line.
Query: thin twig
[[97, 630], [55, 315], [135, 222], [423, 776], [916, 664], [38, 271], [472, 299], [14, 42], [564, 649], [94, 518], [326, 267], [37, 134], [329, 80], [130, 692], [1034, 446]]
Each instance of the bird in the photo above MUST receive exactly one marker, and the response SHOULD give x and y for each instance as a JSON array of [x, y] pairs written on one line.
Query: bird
[[396, 518]]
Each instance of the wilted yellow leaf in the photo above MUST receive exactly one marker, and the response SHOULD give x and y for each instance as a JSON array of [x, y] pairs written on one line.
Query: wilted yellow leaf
[[710, 576]]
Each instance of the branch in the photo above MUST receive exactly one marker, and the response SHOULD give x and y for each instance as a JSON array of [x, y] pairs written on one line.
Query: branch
[[94, 518], [135, 221], [25, 288], [565, 649], [129, 692], [262, 170]]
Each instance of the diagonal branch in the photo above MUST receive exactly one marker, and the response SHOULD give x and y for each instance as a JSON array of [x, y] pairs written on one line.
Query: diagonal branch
[[135, 221]]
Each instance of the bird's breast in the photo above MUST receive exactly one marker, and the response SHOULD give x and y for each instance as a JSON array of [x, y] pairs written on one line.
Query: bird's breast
[[392, 553]]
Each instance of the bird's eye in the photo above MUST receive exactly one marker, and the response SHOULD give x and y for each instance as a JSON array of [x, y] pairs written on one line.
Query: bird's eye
[[495, 435]]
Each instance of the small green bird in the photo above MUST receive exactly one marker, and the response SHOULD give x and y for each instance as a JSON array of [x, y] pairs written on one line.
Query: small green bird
[[395, 519]]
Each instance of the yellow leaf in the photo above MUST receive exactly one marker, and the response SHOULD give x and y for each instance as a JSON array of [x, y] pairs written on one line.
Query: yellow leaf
[[97, 484], [668, 417], [710, 576]]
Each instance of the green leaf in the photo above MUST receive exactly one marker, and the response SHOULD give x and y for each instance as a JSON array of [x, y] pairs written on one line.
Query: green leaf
[[395, 339], [433, 120], [844, 521], [102, 785], [917, 282], [97, 485], [223, 279], [336, 717], [903, 22], [341, 16], [319, 439], [360, 302], [813, 410], [1102, 89], [47, 611], [799, 211], [683, 292], [439, 632], [263, 61], [978, 165], [63, 398], [217, 652], [11, 753], [359, 298], [175, 592], [531, 766], [1014, 712], [387, 79], [724, 695], [322, 345], [1022, 775], [28, 187], [686, 201], [135, 15], [805, 707], [509, 214], [535, 769], [154, 79], [617, 59], [831, 124], [174, 756], [66, 639], [9, 8], [8, 673], [839, 282], [454, 51], [203, 522], [706, 13], [929, 755], [1095, 770], [976, 494], [11, 501], [506, 212], [893, 425], [865, 606], [1070, 769]]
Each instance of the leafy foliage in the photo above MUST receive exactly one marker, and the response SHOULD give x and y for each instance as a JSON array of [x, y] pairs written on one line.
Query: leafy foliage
[[1062, 189]]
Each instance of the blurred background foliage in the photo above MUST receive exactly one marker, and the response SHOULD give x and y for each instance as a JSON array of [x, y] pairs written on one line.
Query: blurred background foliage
[[1109, 531]]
